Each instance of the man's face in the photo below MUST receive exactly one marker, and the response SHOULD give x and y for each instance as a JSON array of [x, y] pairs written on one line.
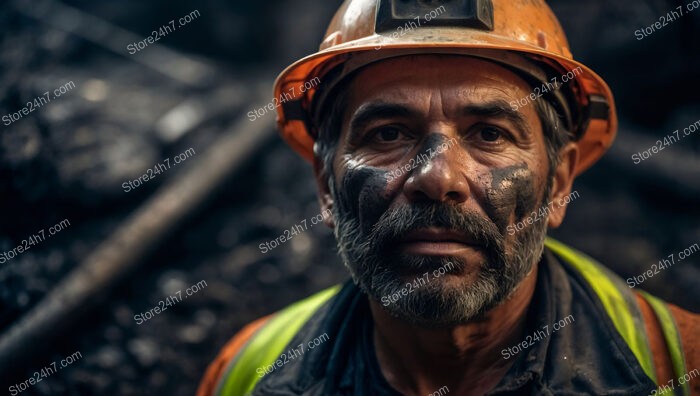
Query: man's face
[[431, 167]]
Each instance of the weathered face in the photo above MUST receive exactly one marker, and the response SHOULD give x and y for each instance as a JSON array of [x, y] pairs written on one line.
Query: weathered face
[[431, 168]]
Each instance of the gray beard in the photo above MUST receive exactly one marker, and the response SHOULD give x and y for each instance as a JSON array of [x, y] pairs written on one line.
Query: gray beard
[[377, 268]]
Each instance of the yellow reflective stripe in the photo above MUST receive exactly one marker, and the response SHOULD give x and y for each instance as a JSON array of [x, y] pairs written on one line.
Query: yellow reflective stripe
[[673, 339], [613, 302], [268, 344]]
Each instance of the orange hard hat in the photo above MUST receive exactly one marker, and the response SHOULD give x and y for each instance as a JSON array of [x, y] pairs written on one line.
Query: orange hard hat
[[524, 35]]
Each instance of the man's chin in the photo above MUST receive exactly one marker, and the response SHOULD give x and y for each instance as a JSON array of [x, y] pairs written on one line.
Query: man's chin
[[430, 301], [438, 310]]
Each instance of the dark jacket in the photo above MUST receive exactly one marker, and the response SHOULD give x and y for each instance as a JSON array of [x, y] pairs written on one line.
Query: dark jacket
[[587, 356]]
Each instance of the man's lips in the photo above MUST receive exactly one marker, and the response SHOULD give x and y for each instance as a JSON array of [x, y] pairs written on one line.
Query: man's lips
[[436, 241]]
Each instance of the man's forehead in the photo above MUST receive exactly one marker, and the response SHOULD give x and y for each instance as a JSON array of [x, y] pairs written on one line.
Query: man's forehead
[[403, 77], [413, 81]]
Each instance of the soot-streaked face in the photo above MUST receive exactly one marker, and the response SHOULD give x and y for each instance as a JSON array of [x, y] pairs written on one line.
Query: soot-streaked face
[[431, 167]]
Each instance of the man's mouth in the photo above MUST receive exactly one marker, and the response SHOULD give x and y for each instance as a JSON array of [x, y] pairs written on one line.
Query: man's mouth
[[436, 242]]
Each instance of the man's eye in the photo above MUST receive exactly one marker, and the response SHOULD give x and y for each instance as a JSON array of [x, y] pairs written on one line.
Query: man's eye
[[490, 134], [386, 134]]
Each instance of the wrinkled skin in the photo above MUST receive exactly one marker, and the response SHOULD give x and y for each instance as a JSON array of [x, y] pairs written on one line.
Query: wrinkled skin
[[493, 174], [484, 171]]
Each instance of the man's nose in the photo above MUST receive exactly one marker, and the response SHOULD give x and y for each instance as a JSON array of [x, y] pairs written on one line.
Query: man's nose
[[440, 178]]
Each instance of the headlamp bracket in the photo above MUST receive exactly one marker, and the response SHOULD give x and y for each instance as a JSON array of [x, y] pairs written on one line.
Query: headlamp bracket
[[395, 14]]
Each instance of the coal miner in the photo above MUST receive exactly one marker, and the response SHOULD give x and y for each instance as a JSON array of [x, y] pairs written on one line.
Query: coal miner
[[445, 137]]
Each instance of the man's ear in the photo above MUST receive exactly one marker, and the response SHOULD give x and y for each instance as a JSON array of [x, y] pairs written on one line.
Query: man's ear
[[325, 199], [562, 183]]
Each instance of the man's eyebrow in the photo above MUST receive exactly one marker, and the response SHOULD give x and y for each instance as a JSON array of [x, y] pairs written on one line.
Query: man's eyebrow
[[373, 110], [499, 109]]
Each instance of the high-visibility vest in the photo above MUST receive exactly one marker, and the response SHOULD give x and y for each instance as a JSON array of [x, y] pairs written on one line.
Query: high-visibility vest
[[272, 337]]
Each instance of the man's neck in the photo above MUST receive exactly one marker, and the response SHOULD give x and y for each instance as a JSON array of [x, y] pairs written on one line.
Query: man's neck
[[466, 358]]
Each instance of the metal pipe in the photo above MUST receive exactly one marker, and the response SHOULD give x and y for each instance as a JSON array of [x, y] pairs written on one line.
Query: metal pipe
[[139, 234]]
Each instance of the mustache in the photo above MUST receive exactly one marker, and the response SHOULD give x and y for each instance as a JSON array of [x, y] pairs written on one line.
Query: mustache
[[396, 223]]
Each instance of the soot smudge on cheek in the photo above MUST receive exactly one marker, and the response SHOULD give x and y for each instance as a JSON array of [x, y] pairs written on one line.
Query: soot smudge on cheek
[[512, 190], [364, 192], [364, 196]]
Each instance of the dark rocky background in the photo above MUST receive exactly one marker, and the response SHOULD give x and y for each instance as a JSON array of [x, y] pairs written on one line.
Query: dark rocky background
[[68, 159]]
